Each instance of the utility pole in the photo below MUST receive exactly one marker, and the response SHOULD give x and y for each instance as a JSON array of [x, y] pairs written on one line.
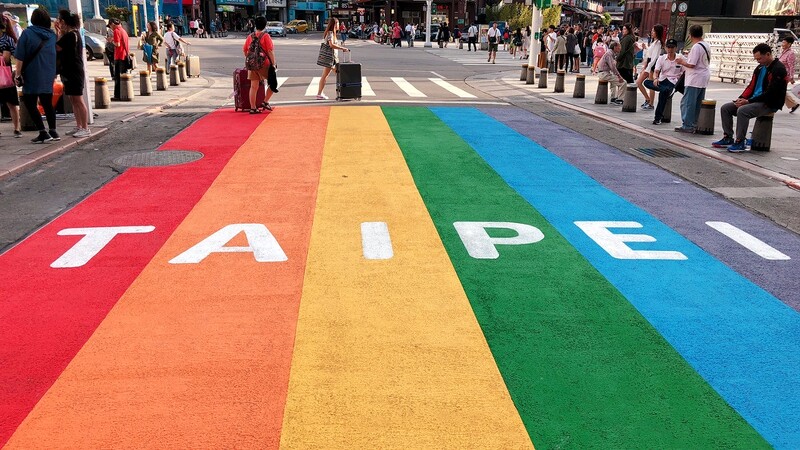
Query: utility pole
[[536, 25]]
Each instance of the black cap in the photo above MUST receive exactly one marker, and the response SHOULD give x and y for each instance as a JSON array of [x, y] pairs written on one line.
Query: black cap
[[671, 43]]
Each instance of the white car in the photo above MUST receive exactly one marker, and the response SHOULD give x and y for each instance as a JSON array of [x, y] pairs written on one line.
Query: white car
[[276, 29]]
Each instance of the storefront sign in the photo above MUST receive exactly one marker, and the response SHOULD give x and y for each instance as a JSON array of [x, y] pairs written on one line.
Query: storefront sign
[[310, 6], [276, 3], [236, 2]]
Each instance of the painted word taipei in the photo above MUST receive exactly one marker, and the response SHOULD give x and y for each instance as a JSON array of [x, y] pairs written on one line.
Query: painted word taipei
[[377, 244]]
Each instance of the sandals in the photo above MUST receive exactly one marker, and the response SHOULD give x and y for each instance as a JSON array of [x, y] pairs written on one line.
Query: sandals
[[266, 106], [255, 111]]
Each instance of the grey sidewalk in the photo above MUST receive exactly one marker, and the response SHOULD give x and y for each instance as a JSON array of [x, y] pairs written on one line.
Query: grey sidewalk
[[16, 154]]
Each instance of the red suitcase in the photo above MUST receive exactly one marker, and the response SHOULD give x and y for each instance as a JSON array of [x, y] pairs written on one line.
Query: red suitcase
[[241, 91]]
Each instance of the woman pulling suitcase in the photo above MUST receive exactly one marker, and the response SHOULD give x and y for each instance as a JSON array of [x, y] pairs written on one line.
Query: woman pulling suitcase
[[327, 54]]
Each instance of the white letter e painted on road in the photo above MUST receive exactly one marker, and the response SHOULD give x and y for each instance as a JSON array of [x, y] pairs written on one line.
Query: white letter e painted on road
[[614, 244], [482, 246]]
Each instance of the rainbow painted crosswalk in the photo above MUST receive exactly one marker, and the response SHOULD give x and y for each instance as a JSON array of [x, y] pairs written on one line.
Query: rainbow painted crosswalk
[[367, 277]]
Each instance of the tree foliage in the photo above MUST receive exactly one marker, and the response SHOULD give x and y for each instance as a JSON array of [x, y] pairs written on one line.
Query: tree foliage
[[516, 14], [551, 16], [606, 19], [116, 12]]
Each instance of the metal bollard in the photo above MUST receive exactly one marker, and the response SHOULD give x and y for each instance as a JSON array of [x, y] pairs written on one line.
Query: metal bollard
[[667, 111], [762, 133], [182, 71], [542, 79], [523, 76], [629, 100], [161, 79], [126, 87], [560, 81], [145, 86], [705, 121], [102, 98], [531, 75], [173, 75], [580, 87], [25, 118], [601, 97]]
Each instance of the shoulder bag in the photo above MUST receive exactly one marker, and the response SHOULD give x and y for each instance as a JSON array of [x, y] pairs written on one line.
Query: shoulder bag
[[326, 57], [680, 86], [6, 77], [28, 60]]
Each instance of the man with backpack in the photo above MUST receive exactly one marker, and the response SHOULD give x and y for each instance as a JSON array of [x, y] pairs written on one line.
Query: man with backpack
[[260, 64]]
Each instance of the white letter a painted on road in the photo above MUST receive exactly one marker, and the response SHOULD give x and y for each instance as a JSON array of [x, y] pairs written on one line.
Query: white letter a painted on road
[[262, 244]]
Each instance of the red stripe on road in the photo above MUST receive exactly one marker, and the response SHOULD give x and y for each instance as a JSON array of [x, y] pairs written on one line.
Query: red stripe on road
[[48, 314]]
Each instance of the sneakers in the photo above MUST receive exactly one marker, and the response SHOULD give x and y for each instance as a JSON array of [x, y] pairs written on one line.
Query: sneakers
[[617, 101], [322, 97], [684, 130], [43, 138], [738, 147], [722, 143], [73, 131], [647, 106], [82, 133], [17, 134], [54, 135], [657, 122]]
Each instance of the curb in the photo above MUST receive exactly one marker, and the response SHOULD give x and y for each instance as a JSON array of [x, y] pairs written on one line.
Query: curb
[[52, 152], [791, 182]]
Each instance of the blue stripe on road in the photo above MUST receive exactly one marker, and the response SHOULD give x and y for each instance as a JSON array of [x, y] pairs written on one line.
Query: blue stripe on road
[[738, 337]]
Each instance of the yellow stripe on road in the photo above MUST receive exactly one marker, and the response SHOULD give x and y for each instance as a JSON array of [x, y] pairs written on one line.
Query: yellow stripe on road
[[388, 352]]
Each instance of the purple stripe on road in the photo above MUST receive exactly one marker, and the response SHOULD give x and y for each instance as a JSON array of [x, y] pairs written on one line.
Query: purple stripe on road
[[681, 205]]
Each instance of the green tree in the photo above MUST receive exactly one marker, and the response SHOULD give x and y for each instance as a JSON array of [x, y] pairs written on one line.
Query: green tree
[[115, 12], [551, 16], [606, 19], [517, 15]]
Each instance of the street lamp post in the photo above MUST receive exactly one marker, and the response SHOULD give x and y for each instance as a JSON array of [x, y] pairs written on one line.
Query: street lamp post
[[97, 10], [428, 6]]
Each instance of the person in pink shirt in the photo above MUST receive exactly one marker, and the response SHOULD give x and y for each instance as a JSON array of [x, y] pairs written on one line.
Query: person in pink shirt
[[788, 59]]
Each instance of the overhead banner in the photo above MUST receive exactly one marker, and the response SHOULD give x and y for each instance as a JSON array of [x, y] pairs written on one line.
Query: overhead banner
[[776, 7]]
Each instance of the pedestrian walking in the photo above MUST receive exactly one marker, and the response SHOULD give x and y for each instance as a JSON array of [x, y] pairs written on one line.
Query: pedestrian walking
[[472, 37], [764, 95], [494, 37], [588, 42], [516, 43], [69, 48], [696, 79], [397, 35], [607, 71], [506, 38], [787, 58], [666, 74], [174, 43], [573, 63], [652, 54], [444, 34], [149, 42], [409, 34], [36, 71], [8, 89], [627, 53], [327, 59], [121, 52], [259, 53]]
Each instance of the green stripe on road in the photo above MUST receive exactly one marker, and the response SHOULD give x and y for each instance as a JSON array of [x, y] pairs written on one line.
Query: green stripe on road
[[584, 368]]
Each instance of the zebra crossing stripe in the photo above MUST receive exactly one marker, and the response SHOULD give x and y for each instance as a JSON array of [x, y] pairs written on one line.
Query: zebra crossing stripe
[[281, 80], [407, 87], [366, 89], [311, 90], [450, 88]]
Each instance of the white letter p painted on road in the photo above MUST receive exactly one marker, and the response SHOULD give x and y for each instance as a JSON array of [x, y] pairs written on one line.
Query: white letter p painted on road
[[480, 245]]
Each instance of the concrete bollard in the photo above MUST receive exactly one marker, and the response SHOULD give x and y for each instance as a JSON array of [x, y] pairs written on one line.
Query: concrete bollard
[[580, 87], [560, 81], [182, 71], [161, 79], [126, 87], [25, 118], [629, 100], [523, 76], [531, 75], [145, 85], [601, 97], [762, 133], [667, 111], [102, 98], [542, 79], [173, 75], [705, 121]]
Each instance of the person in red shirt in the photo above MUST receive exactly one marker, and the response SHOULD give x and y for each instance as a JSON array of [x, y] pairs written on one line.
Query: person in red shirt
[[269, 67], [120, 54]]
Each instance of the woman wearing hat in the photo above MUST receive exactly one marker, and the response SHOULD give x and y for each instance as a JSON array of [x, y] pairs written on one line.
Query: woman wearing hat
[[8, 95]]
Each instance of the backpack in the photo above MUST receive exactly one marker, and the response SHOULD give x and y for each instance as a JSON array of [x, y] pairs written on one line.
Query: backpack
[[255, 56], [599, 50], [505, 35]]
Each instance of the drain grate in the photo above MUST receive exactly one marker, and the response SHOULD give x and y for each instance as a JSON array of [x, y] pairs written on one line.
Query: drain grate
[[179, 114], [660, 153], [557, 113], [158, 158]]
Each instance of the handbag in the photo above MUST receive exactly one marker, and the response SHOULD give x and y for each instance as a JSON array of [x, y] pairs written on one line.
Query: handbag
[[680, 86], [147, 53], [326, 58], [6, 77], [577, 49]]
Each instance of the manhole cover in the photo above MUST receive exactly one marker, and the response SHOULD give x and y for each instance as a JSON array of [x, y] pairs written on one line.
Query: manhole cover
[[158, 158], [660, 153]]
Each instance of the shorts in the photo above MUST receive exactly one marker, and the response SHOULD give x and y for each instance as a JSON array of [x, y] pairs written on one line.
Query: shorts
[[493, 47], [9, 95], [73, 85], [260, 74]]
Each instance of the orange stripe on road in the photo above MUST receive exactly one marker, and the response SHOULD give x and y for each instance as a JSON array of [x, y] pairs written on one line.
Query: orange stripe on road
[[198, 355]]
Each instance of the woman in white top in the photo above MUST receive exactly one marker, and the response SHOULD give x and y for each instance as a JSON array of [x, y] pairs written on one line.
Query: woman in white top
[[173, 43], [651, 56]]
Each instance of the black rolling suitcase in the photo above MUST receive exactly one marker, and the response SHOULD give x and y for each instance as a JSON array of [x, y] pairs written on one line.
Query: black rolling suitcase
[[348, 79]]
